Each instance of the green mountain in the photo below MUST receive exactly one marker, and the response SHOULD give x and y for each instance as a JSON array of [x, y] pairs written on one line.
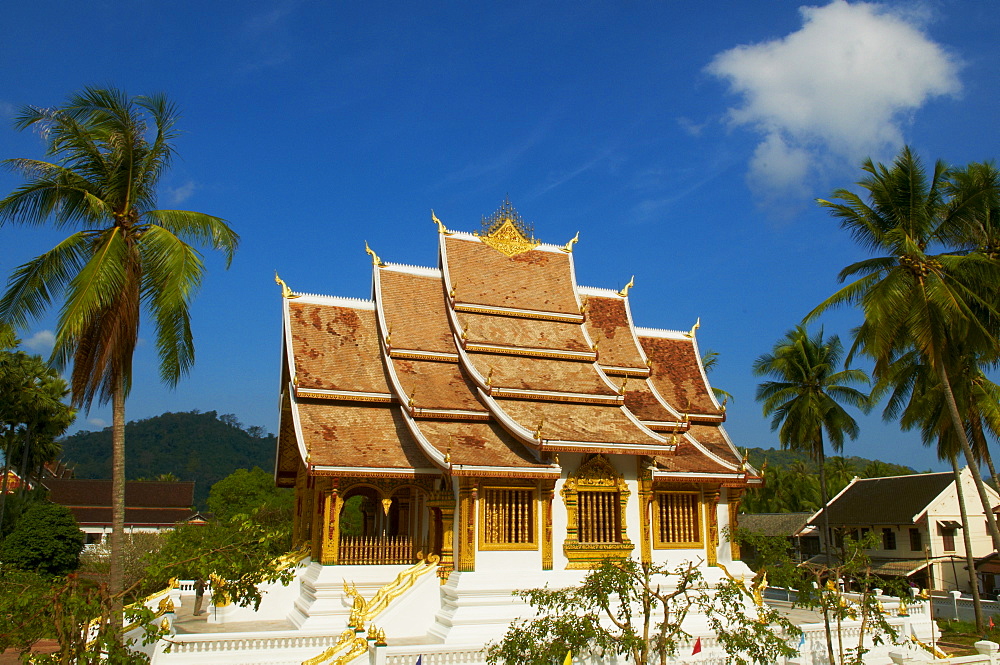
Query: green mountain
[[203, 447], [785, 458]]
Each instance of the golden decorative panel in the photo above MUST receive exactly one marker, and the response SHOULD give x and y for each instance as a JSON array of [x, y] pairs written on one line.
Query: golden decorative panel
[[596, 497], [677, 520], [507, 518], [506, 231]]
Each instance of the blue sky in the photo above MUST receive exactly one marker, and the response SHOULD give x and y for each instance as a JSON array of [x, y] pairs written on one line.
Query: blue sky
[[685, 141]]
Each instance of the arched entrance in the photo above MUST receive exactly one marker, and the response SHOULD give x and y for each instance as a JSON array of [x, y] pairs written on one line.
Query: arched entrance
[[379, 529]]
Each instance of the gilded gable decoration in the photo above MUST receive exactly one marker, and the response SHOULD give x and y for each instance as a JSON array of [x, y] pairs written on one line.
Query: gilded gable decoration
[[596, 498], [507, 232]]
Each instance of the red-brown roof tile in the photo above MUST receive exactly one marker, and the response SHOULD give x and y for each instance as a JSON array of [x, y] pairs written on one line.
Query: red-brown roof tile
[[435, 385], [562, 421], [539, 280], [525, 333], [336, 348], [543, 374], [477, 443], [713, 439], [608, 325], [358, 435], [138, 493], [413, 307], [643, 402], [676, 374], [688, 459]]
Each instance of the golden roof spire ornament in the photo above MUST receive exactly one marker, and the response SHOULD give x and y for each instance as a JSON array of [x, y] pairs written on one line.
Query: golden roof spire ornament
[[375, 259], [285, 291], [624, 292], [568, 247], [441, 228], [697, 324], [507, 232], [538, 430]]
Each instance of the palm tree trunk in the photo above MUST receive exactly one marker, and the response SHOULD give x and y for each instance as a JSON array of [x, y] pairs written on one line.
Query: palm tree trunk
[[959, 426], [981, 444], [116, 581], [3, 488], [970, 562], [821, 455]]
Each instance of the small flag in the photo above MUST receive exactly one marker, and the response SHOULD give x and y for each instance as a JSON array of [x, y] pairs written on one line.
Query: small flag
[[802, 641], [420, 659], [697, 646], [568, 660], [991, 623]]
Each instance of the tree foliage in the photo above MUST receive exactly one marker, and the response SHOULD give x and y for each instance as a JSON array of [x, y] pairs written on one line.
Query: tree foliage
[[242, 492], [46, 540], [638, 610]]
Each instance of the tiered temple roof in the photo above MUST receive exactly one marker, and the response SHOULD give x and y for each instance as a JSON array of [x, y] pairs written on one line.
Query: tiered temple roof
[[491, 364]]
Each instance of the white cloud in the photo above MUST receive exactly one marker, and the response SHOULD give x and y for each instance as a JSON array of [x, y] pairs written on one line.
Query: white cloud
[[837, 90], [97, 422], [41, 342], [178, 195]]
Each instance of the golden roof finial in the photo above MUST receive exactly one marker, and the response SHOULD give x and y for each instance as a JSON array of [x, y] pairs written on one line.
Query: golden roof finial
[[697, 324], [375, 259], [441, 228], [621, 391], [489, 376], [409, 403], [624, 292], [285, 291], [388, 337], [447, 457], [568, 247], [538, 430]]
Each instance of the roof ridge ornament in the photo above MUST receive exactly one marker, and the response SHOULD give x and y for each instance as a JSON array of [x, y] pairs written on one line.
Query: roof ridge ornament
[[507, 232], [624, 292], [694, 328], [285, 291], [441, 227], [568, 247], [376, 261]]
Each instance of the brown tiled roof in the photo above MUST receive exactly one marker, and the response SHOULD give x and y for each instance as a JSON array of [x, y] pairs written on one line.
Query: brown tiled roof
[[537, 280], [477, 443], [358, 435], [595, 423], [336, 348], [688, 459], [527, 333], [712, 438], [138, 493], [641, 401], [676, 373], [435, 385], [774, 524], [608, 325], [414, 311], [134, 517], [545, 374], [894, 500]]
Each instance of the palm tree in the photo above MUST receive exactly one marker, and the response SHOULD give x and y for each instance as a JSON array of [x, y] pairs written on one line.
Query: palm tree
[[804, 402], [124, 256], [912, 298]]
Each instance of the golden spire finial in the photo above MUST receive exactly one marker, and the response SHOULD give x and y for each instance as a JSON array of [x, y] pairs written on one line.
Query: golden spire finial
[[441, 228], [621, 391], [285, 291], [624, 292], [375, 259], [538, 430], [409, 402], [447, 457], [489, 376], [568, 247], [697, 324], [388, 337]]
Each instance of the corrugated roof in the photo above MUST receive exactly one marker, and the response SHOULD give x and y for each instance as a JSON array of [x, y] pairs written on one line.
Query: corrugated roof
[[774, 524], [894, 500]]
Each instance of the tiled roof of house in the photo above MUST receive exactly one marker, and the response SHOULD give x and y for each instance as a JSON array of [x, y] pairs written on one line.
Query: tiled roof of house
[[774, 524], [147, 503], [893, 500]]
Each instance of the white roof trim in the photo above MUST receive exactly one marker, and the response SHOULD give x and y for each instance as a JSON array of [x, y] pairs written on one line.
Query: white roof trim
[[334, 301], [664, 334], [422, 271], [376, 470], [599, 292]]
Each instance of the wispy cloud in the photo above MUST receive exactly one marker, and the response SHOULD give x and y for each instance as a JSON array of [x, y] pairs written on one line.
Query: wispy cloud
[[97, 422], [180, 194], [840, 88], [502, 162], [566, 176], [7, 110], [41, 342]]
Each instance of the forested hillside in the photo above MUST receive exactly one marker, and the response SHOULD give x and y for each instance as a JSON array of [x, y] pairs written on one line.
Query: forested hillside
[[203, 447], [792, 479]]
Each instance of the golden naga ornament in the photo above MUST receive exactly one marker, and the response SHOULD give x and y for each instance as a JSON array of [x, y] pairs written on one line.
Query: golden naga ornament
[[568, 247], [506, 231], [624, 292], [694, 328], [285, 291], [441, 227], [375, 259]]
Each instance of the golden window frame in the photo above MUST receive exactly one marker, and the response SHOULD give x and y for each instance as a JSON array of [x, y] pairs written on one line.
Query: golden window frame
[[595, 475], [532, 521], [698, 510]]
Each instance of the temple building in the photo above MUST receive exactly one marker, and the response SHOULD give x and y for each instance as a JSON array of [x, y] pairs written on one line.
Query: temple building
[[494, 414]]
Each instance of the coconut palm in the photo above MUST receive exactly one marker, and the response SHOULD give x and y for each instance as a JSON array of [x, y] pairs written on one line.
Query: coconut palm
[[124, 257], [804, 400], [912, 297]]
